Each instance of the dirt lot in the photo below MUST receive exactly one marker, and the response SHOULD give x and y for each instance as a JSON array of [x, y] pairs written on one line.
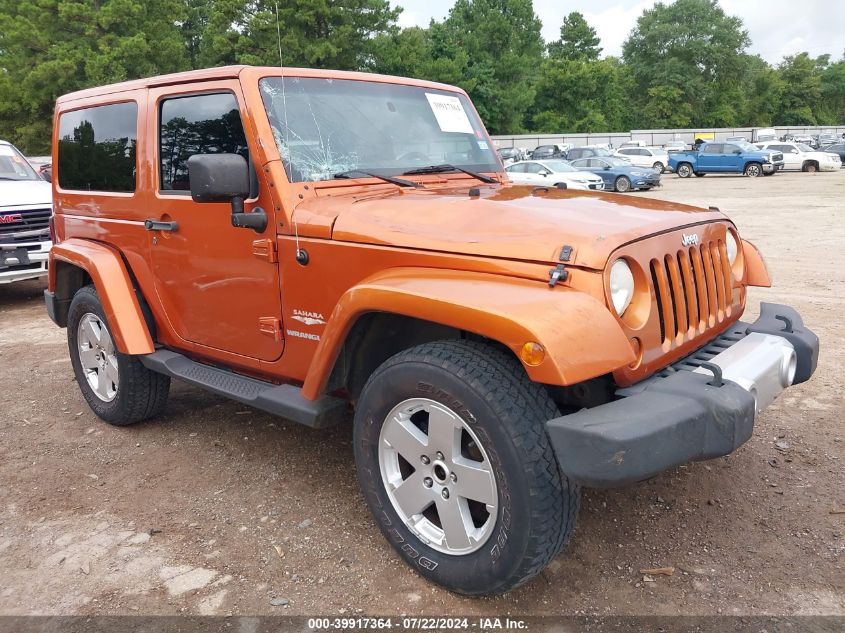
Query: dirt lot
[[181, 515]]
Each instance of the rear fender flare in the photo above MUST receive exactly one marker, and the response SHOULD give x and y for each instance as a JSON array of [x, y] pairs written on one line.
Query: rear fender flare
[[104, 265], [581, 337]]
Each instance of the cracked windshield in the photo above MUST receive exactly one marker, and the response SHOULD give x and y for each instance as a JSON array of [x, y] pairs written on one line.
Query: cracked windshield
[[325, 128]]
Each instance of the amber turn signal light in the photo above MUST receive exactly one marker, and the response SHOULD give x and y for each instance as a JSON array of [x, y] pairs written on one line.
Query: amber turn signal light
[[532, 353]]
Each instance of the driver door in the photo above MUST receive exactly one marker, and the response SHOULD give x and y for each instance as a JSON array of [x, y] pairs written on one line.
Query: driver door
[[216, 289]]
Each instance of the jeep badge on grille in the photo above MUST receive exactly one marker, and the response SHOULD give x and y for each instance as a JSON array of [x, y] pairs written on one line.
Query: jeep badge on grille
[[689, 240]]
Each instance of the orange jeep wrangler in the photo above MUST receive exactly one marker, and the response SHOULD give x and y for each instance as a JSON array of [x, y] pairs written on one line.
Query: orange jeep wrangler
[[308, 242]]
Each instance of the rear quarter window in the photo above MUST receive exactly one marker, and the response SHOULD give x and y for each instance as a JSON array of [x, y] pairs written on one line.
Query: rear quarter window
[[97, 148]]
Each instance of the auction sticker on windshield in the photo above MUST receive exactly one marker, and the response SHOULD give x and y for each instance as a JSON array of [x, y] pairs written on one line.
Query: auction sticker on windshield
[[450, 113]]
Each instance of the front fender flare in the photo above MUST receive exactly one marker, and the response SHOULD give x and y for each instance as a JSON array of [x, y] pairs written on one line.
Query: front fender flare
[[114, 286], [756, 271], [581, 337]]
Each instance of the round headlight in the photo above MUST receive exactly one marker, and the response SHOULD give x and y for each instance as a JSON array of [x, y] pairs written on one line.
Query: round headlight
[[621, 286], [731, 247]]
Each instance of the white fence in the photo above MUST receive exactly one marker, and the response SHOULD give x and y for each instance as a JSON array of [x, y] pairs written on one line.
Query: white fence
[[651, 137]]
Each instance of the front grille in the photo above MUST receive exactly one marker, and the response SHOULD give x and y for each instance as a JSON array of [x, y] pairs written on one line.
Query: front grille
[[693, 289], [33, 227]]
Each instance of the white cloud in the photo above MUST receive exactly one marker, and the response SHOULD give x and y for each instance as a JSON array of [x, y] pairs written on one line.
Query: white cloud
[[776, 27]]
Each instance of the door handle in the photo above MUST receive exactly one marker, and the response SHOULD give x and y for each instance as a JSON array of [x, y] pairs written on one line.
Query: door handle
[[159, 225]]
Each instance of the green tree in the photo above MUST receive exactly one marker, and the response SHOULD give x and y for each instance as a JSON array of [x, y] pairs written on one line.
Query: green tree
[[578, 40], [763, 89], [51, 47], [831, 107], [802, 89], [690, 52], [580, 96], [314, 33]]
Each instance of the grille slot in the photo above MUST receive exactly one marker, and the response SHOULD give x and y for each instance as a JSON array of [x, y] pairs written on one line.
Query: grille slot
[[693, 288]]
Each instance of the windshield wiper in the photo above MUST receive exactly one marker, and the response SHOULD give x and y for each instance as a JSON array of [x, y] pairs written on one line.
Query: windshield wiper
[[395, 181], [439, 169]]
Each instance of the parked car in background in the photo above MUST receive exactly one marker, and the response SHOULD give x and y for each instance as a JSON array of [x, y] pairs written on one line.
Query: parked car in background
[[764, 134], [836, 148], [725, 158], [806, 139], [736, 139], [587, 152], [673, 146], [803, 157], [542, 152], [553, 172], [509, 155], [654, 157], [636, 143], [827, 138], [25, 211], [618, 174]]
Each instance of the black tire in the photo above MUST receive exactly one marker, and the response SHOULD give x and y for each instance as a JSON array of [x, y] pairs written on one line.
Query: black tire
[[622, 184], [490, 392], [561, 185], [684, 170], [753, 170], [140, 393], [658, 166], [700, 174], [810, 167]]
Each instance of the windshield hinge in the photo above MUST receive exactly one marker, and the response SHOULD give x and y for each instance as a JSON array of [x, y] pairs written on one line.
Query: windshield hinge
[[265, 249], [556, 274], [271, 326]]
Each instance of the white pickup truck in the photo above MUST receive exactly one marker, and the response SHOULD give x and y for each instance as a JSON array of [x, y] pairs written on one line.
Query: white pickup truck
[[25, 210], [803, 157]]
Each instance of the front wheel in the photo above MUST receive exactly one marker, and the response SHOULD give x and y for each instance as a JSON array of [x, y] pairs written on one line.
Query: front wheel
[[622, 184], [752, 170], [684, 170], [810, 168], [658, 166], [117, 387], [455, 465]]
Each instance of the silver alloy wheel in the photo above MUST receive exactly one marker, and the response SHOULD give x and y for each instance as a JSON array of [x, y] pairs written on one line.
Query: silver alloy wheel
[[97, 356], [438, 476], [684, 171], [753, 170]]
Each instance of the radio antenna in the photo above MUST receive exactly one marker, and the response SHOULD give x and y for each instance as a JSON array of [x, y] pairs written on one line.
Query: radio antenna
[[278, 33], [301, 255]]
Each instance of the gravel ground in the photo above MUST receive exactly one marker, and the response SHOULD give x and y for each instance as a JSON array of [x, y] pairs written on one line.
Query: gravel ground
[[219, 509]]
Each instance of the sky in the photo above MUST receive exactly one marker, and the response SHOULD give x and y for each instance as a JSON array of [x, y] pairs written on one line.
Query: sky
[[776, 27]]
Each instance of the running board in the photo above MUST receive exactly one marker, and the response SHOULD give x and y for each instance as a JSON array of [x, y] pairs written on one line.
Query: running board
[[282, 400]]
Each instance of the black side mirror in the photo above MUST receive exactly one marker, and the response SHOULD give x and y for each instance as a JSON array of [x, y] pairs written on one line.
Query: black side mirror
[[737, 152], [545, 173], [225, 178]]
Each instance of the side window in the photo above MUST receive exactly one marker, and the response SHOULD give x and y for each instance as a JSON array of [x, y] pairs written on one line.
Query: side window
[[730, 149], [519, 168], [97, 148], [627, 152], [201, 124], [533, 168], [713, 148]]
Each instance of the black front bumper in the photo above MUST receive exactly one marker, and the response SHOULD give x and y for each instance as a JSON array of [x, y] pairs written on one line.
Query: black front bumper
[[677, 417]]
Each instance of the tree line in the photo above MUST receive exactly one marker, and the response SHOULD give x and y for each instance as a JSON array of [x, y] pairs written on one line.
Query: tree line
[[684, 64]]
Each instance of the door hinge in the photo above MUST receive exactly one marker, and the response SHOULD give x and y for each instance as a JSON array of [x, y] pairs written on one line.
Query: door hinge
[[265, 249], [271, 326]]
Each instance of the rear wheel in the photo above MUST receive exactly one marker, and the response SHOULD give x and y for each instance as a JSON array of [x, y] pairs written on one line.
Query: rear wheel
[[752, 170], [117, 387], [455, 465], [622, 184], [684, 170]]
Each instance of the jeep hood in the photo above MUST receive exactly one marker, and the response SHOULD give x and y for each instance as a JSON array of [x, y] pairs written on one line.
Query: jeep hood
[[18, 193], [503, 222]]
